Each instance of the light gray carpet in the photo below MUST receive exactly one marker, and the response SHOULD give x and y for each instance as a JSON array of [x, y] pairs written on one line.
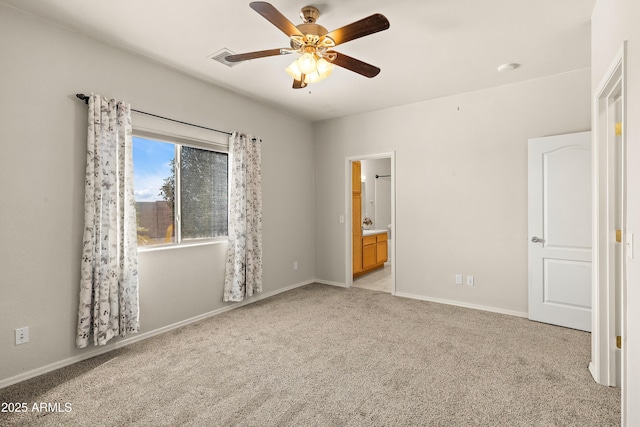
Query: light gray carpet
[[326, 356]]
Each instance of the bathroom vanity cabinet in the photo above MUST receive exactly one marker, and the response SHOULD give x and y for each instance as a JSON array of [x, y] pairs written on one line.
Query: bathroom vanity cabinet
[[374, 252]]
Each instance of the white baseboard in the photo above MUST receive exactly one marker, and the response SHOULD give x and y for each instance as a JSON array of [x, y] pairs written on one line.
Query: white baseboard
[[328, 282], [465, 305], [119, 343]]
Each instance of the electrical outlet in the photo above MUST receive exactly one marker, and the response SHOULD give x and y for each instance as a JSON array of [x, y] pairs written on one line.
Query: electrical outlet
[[458, 279], [22, 335], [469, 280], [295, 265]]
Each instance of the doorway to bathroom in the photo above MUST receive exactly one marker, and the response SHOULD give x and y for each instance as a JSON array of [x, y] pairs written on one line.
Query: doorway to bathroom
[[370, 232]]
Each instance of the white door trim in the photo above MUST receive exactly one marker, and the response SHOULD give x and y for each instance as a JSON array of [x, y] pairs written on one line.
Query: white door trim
[[348, 280], [603, 335]]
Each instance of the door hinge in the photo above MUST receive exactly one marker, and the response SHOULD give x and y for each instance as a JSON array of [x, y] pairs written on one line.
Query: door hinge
[[618, 128], [619, 236], [619, 341]]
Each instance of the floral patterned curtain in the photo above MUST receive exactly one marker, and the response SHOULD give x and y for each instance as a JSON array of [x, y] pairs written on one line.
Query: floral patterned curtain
[[244, 258], [109, 270]]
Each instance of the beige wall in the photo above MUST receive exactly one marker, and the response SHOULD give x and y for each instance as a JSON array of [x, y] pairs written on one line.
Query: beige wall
[[613, 22], [43, 141], [461, 185]]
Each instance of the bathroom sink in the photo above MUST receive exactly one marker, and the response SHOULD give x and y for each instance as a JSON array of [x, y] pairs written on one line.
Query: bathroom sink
[[371, 232]]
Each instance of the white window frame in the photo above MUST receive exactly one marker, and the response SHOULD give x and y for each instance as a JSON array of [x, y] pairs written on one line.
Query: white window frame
[[182, 135]]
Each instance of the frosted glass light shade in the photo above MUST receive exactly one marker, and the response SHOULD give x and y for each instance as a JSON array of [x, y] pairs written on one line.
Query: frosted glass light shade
[[323, 70], [307, 63], [293, 70]]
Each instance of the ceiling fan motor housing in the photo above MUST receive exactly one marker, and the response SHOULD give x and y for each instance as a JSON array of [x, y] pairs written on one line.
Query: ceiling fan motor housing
[[312, 35], [313, 32], [315, 29]]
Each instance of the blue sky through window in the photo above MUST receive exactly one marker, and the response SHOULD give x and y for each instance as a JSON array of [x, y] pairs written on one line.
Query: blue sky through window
[[151, 165]]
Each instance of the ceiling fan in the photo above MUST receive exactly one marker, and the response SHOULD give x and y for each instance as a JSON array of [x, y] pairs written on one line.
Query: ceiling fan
[[315, 44]]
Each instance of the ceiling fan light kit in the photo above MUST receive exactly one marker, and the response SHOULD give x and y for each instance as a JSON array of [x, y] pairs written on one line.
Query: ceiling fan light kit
[[314, 44], [321, 70]]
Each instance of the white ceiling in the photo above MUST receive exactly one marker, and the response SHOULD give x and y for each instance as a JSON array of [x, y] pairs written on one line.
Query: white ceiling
[[433, 48]]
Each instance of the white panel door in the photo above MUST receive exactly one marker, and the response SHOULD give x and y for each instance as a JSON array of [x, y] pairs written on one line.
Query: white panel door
[[560, 230]]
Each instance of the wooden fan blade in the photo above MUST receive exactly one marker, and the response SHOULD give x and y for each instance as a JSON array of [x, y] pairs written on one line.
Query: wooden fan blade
[[253, 55], [299, 84], [272, 15], [355, 65], [364, 27]]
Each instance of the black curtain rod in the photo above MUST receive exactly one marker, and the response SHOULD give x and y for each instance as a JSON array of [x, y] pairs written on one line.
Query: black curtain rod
[[85, 98], [382, 176]]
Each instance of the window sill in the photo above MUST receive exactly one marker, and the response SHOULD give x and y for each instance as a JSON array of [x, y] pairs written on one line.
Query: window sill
[[156, 248]]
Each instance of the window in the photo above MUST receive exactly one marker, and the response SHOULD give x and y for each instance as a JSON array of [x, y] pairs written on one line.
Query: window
[[180, 191]]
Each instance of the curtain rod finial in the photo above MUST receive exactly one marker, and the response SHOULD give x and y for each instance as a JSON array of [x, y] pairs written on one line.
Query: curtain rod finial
[[83, 97]]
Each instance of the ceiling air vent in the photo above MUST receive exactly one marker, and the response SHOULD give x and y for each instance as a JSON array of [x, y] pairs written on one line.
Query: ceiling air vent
[[221, 54]]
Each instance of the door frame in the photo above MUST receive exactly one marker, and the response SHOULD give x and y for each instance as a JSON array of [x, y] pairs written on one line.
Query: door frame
[[348, 280], [605, 263]]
